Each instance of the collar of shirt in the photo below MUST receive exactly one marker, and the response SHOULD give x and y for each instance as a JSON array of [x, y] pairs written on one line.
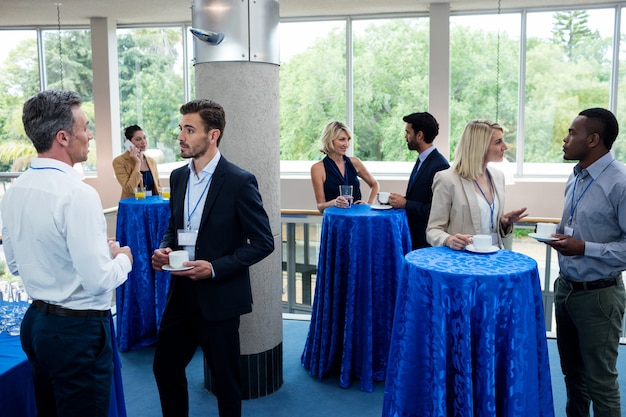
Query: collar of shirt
[[596, 168], [424, 154], [50, 163], [209, 169]]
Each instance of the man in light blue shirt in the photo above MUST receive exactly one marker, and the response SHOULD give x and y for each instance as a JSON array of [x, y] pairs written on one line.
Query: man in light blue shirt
[[589, 292]]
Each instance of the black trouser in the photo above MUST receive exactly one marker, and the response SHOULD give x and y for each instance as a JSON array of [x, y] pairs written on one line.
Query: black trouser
[[72, 361], [182, 330]]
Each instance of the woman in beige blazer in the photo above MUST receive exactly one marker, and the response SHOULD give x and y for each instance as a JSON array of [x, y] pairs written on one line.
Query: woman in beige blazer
[[133, 168], [468, 198]]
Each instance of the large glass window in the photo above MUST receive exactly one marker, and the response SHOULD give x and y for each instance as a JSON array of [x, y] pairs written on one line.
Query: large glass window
[[19, 67], [68, 66], [390, 81], [568, 69], [484, 69], [152, 87], [312, 84], [620, 145]]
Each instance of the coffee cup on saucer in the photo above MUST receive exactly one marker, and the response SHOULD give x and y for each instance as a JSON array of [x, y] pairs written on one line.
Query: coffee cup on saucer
[[481, 242], [178, 258], [546, 229]]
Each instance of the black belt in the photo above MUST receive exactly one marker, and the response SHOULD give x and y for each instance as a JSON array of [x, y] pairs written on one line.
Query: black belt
[[66, 312], [592, 285]]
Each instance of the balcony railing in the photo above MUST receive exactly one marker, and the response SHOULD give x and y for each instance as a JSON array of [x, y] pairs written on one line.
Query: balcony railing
[[301, 230]]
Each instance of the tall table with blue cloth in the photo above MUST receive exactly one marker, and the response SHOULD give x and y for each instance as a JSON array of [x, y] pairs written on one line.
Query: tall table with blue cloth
[[469, 337], [17, 393], [360, 261], [140, 301]]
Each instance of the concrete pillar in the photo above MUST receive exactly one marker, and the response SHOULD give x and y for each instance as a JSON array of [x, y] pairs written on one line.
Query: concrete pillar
[[241, 73], [106, 97], [439, 74]]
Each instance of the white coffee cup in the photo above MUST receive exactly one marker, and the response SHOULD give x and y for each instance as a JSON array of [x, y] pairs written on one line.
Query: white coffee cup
[[546, 229], [481, 242], [383, 197], [177, 258]]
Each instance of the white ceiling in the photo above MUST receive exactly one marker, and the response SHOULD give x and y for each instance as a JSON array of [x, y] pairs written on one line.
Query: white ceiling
[[20, 13]]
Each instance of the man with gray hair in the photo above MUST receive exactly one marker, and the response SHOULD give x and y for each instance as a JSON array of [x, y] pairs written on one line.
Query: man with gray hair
[[54, 236]]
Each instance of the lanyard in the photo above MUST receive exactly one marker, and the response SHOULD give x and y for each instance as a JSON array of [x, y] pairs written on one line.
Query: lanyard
[[493, 199], [573, 206], [345, 170], [190, 213]]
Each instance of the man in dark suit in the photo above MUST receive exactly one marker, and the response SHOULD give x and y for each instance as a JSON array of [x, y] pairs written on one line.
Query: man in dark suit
[[217, 216], [421, 130]]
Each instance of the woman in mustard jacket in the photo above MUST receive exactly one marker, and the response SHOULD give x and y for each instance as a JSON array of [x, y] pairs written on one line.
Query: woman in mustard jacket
[[133, 168]]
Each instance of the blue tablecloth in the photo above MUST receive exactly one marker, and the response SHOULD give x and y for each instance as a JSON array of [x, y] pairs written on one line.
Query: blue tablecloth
[[140, 301], [468, 338], [360, 260], [17, 394]]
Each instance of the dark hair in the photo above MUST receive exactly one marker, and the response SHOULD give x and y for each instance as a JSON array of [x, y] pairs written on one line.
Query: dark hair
[[211, 113], [47, 112], [424, 122], [130, 131], [602, 122]]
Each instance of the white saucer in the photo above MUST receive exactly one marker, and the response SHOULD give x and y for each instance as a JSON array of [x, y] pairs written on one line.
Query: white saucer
[[170, 268], [380, 207], [542, 238], [491, 249]]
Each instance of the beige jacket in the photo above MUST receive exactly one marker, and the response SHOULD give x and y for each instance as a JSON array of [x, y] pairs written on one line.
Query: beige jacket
[[129, 178], [455, 207]]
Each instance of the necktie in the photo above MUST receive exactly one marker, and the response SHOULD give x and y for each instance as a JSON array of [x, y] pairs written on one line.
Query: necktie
[[413, 175]]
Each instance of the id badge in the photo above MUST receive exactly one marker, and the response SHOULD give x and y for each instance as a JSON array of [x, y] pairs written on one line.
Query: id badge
[[568, 230], [494, 239], [187, 237]]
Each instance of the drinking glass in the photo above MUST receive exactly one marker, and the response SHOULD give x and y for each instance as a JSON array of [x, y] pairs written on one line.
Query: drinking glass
[[345, 191], [140, 193]]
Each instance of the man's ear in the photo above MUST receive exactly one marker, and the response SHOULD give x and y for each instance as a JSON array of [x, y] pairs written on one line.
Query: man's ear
[[594, 140], [215, 134], [62, 137]]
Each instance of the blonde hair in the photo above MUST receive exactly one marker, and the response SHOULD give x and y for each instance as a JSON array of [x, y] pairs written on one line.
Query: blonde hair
[[470, 153], [331, 132]]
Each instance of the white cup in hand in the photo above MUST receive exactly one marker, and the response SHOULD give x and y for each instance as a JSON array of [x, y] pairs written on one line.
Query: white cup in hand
[[383, 197], [481, 242], [177, 258], [546, 229]]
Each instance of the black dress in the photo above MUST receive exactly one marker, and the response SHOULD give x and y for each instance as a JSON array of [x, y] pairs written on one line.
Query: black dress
[[334, 179]]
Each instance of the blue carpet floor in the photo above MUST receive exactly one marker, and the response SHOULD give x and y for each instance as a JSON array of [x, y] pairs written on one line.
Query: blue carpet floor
[[301, 395]]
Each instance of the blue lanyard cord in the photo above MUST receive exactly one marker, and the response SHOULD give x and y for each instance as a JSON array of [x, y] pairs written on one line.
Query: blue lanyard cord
[[190, 213], [345, 170], [493, 198], [56, 169], [573, 206]]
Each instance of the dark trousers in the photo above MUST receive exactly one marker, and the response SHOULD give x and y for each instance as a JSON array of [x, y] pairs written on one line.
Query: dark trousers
[[589, 323], [72, 361], [182, 330]]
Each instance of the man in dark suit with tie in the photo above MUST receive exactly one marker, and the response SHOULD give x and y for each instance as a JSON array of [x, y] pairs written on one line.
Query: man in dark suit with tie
[[217, 216], [421, 130]]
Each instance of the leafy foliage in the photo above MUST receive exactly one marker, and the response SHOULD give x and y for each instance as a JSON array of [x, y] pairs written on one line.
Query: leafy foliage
[[565, 73]]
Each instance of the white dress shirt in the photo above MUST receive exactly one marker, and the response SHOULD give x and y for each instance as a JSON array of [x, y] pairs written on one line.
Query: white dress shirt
[[55, 237]]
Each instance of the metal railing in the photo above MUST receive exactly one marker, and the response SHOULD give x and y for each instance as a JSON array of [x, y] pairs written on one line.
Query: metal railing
[[300, 249], [301, 231]]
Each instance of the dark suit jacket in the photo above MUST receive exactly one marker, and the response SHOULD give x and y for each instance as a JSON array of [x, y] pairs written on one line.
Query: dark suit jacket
[[420, 195], [234, 234]]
